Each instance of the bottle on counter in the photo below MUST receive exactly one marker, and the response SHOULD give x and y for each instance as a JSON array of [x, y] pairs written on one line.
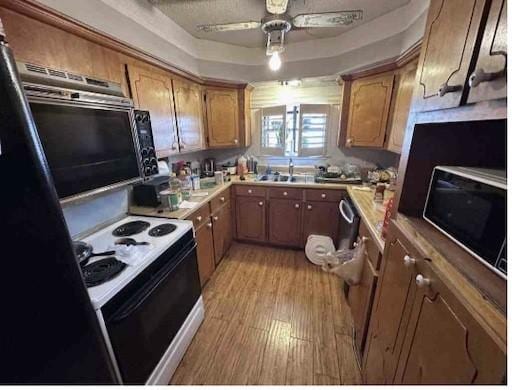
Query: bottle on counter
[[175, 197], [186, 185]]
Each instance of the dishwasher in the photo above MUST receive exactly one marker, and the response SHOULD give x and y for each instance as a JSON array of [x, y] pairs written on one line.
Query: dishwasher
[[349, 224]]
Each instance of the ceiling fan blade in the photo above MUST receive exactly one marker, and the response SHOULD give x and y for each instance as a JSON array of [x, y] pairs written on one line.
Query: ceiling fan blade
[[277, 7], [228, 26], [327, 19]]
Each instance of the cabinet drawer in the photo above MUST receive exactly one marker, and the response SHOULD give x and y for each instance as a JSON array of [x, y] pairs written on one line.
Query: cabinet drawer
[[285, 193], [372, 249], [220, 200], [250, 191], [324, 195], [200, 216]]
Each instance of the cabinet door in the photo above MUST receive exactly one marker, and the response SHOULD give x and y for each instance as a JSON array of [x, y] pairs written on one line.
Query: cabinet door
[[189, 114], [285, 222], [321, 218], [251, 218], [448, 44], [394, 296], [223, 118], [401, 106], [360, 299], [222, 231], [370, 100], [488, 81], [205, 252], [444, 344], [152, 91]]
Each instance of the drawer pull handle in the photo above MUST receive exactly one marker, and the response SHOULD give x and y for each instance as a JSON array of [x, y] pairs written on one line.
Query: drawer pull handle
[[209, 225], [285, 193], [310, 207], [409, 261], [249, 191], [297, 205], [222, 199], [445, 88], [199, 218], [323, 196], [422, 281], [480, 76], [215, 218], [260, 203]]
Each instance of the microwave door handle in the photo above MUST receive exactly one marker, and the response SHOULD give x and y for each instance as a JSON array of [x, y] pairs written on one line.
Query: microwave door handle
[[131, 306], [344, 204]]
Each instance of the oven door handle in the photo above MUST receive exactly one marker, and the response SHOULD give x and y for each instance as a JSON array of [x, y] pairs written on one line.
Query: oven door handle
[[131, 306]]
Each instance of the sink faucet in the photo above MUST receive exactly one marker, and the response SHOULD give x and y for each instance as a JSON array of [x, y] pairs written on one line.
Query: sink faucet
[[290, 168]]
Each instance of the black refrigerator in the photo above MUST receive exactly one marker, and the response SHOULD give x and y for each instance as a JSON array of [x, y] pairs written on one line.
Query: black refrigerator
[[49, 333]]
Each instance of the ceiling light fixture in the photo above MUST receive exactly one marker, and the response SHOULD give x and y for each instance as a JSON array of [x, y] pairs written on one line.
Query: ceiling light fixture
[[275, 62]]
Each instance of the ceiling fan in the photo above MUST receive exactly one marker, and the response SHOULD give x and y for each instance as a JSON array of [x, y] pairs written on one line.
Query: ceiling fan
[[277, 23]]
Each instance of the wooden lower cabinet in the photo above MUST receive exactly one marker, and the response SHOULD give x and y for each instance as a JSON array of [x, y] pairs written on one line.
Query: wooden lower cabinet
[[222, 231], [251, 218], [285, 222], [205, 252], [360, 300], [321, 218]]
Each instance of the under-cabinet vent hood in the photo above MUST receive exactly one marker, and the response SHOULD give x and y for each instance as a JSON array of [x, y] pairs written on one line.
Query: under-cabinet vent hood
[[60, 78]]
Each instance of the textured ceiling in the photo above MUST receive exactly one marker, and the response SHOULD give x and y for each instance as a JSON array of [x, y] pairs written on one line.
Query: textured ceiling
[[190, 13]]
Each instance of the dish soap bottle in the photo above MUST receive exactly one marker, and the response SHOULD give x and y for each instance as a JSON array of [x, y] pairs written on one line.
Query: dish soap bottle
[[175, 197]]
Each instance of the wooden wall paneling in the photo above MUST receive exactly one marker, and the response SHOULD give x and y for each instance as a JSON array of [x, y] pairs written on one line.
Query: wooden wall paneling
[[188, 99], [153, 91], [450, 38], [370, 100], [489, 79]]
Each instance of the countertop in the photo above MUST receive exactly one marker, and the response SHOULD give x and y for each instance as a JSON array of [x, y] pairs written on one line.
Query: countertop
[[371, 213]]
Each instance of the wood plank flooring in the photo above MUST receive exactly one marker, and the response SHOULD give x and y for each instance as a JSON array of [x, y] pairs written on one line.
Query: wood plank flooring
[[271, 318]]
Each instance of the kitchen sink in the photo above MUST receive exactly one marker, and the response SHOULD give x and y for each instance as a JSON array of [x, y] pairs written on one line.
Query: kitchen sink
[[283, 178]]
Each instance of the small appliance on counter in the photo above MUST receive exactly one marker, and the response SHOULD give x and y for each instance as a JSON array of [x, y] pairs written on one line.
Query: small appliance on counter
[[469, 206], [208, 167], [229, 167], [147, 194]]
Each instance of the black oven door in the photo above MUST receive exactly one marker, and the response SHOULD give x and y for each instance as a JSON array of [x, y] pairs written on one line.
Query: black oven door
[[144, 318]]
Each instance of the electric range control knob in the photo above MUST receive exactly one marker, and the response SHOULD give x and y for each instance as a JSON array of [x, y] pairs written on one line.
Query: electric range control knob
[[138, 118], [153, 161], [147, 171], [145, 161], [154, 170], [145, 152]]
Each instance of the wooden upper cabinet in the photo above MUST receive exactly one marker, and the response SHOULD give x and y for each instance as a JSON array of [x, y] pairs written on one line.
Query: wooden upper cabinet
[[393, 298], [152, 91], [450, 37], [402, 96], [488, 81], [188, 99], [444, 344], [223, 121], [370, 100]]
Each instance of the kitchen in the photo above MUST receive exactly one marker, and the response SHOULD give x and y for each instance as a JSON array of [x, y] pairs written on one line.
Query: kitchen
[[198, 205]]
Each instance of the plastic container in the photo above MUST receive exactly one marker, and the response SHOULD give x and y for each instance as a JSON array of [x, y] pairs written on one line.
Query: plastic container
[[242, 166], [186, 185], [175, 197]]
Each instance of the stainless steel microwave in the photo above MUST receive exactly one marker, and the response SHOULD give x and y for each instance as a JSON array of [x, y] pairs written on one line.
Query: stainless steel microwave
[[469, 205]]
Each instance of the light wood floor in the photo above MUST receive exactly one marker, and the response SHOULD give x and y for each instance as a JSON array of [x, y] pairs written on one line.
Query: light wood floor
[[271, 318]]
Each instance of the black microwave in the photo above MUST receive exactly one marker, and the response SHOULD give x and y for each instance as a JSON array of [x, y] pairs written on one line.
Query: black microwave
[[469, 205]]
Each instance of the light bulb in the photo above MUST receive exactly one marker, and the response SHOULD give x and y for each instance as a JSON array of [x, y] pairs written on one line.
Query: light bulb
[[275, 62]]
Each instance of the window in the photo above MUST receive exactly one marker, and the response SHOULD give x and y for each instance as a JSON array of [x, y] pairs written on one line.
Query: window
[[295, 130]]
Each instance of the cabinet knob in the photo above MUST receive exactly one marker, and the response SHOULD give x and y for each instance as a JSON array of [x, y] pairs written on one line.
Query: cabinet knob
[[445, 88], [236, 141], [349, 142], [215, 218], [297, 205], [249, 191], [260, 203], [409, 261], [209, 225], [480, 76], [310, 207], [222, 199], [323, 196], [285, 193], [199, 218], [422, 281]]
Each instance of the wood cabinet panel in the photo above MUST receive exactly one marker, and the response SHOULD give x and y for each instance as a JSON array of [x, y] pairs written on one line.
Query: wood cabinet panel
[[450, 37], [285, 222], [152, 91], [360, 299], [221, 200], [251, 218], [405, 83], [371, 247], [223, 122], [324, 195], [189, 115], [222, 231], [200, 216], [205, 251], [320, 218], [370, 100], [392, 302], [444, 344], [244, 190], [285, 193], [488, 81]]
